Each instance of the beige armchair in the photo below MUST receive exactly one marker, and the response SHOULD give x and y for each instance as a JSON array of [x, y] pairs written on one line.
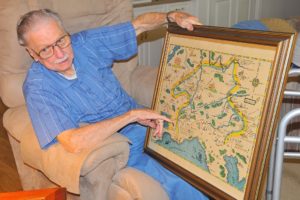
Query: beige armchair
[[98, 173]]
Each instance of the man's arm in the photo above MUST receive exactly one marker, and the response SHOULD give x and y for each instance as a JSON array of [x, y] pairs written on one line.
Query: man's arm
[[152, 20], [75, 140]]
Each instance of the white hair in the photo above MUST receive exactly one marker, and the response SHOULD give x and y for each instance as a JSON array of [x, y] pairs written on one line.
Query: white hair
[[28, 20]]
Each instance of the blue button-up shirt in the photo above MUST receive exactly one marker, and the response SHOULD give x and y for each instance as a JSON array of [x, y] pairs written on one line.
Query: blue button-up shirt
[[56, 104]]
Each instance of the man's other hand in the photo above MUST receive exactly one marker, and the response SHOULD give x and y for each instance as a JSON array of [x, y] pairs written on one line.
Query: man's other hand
[[153, 20], [183, 19]]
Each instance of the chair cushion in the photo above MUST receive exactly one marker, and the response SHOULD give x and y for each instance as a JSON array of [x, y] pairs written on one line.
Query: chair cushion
[[17, 121], [11, 89], [277, 24], [143, 81]]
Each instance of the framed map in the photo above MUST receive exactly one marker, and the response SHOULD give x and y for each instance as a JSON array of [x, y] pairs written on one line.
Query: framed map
[[222, 88]]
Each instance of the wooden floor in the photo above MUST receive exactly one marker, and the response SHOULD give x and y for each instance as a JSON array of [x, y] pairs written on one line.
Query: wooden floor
[[9, 177]]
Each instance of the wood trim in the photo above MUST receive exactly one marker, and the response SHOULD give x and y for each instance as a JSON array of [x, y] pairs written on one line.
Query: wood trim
[[157, 2]]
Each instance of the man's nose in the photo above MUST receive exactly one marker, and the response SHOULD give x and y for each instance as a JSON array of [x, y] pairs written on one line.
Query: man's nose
[[58, 52]]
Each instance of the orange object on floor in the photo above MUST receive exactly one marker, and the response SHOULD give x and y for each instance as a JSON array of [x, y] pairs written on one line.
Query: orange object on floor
[[42, 194]]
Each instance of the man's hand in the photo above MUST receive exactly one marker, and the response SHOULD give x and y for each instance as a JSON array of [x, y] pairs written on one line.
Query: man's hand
[[152, 20], [150, 118], [182, 19]]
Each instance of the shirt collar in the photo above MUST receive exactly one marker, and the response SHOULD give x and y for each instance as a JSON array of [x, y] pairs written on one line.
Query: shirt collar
[[55, 78]]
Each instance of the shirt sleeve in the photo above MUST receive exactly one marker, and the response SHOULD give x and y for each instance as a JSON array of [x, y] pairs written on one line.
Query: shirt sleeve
[[116, 42], [49, 116]]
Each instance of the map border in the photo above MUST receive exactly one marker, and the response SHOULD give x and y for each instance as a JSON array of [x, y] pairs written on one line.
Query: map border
[[283, 43]]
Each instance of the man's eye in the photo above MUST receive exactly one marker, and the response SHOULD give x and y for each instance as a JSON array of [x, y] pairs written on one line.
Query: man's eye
[[45, 50], [61, 41]]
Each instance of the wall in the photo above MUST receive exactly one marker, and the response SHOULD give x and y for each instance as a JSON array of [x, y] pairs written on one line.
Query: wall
[[279, 8]]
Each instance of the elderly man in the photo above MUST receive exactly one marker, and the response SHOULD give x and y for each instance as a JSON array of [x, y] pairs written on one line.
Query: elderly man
[[71, 82]]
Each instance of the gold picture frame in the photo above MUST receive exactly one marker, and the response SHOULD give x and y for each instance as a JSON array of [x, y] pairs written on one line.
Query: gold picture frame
[[222, 88]]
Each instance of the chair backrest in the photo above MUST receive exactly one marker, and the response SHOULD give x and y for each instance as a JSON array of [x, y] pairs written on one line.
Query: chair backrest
[[76, 14]]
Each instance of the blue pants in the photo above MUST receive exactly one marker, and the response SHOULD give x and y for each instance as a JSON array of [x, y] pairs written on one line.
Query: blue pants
[[176, 187], [294, 66]]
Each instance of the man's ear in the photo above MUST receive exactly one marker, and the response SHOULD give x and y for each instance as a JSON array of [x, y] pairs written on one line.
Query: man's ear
[[32, 54]]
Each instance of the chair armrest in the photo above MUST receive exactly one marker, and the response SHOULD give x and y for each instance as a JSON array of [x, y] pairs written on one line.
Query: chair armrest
[[129, 183], [64, 168]]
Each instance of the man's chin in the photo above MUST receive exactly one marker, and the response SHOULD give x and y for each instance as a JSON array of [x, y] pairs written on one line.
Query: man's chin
[[62, 67]]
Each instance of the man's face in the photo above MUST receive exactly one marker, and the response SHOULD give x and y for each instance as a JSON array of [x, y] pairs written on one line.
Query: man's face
[[47, 34]]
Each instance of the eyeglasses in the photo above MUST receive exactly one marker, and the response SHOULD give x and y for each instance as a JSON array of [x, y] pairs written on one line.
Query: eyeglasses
[[62, 42]]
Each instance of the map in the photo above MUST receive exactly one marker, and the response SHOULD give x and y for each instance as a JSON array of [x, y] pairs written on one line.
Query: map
[[215, 100]]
